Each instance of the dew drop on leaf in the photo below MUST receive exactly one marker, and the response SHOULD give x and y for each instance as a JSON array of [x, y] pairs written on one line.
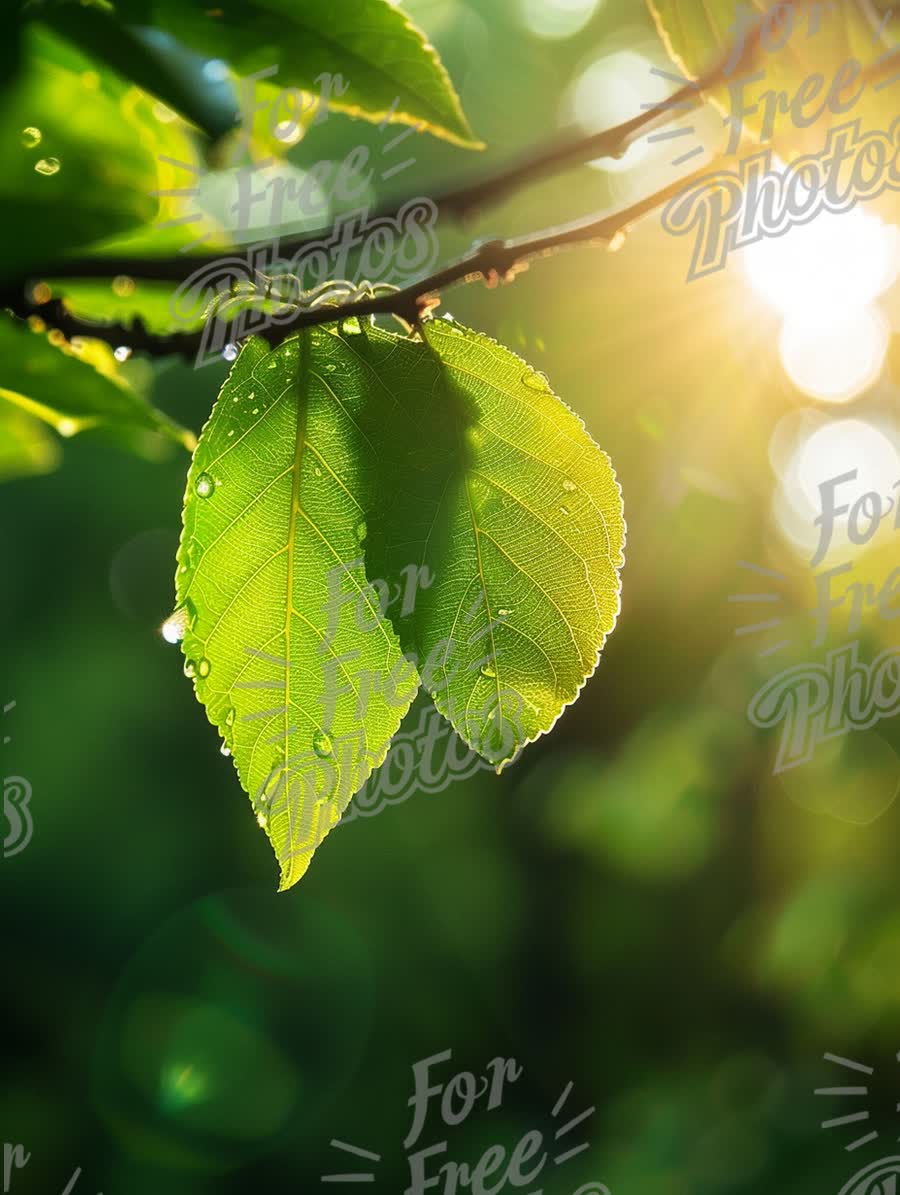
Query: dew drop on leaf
[[47, 166], [487, 670], [569, 486], [190, 668], [204, 485], [261, 820], [173, 629], [503, 613], [351, 326], [322, 744], [122, 353], [203, 668], [536, 381], [230, 716], [31, 137], [224, 749], [230, 352]]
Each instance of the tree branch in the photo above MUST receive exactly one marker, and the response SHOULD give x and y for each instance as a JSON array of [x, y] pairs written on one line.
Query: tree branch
[[494, 261]]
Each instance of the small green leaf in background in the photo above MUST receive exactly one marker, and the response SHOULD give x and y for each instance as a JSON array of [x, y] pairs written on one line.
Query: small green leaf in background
[[380, 54], [823, 37], [354, 461], [73, 388], [26, 447], [152, 61], [72, 169]]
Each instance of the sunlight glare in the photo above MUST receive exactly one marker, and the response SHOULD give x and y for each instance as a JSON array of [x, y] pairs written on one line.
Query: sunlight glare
[[837, 359]]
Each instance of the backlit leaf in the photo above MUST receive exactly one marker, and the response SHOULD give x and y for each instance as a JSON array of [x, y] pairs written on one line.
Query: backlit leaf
[[359, 495], [73, 388], [388, 66], [306, 688]]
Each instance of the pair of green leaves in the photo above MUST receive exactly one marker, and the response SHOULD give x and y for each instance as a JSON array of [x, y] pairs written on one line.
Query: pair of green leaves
[[367, 513]]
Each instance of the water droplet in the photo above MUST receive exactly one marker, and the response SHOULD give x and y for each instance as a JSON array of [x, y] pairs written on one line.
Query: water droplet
[[361, 531], [487, 670], [503, 613], [351, 326], [203, 668], [262, 821], [190, 668], [230, 352], [204, 485], [231, 433], [287, 131], [230, 716], [122, 353], [173, 629], [618, 241], [564, 510], [225, 749], [330, 368], [569, 486], [123, 286], [47, 166], [251, 396], [321, 743], [318, 471], [536, 381], [66, 427], [31, 137], [216, 70], [256, 410]]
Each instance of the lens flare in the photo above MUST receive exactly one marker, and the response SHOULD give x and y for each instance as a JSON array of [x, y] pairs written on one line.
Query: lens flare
[[838, 359], [829, 266]]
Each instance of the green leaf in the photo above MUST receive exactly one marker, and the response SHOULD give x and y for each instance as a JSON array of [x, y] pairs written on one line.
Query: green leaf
[[72, 168], [274, 519], [380, 54], [347, 468], [823, 37], [493, 484], [73, 389], [169, 72], [26, 447]]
